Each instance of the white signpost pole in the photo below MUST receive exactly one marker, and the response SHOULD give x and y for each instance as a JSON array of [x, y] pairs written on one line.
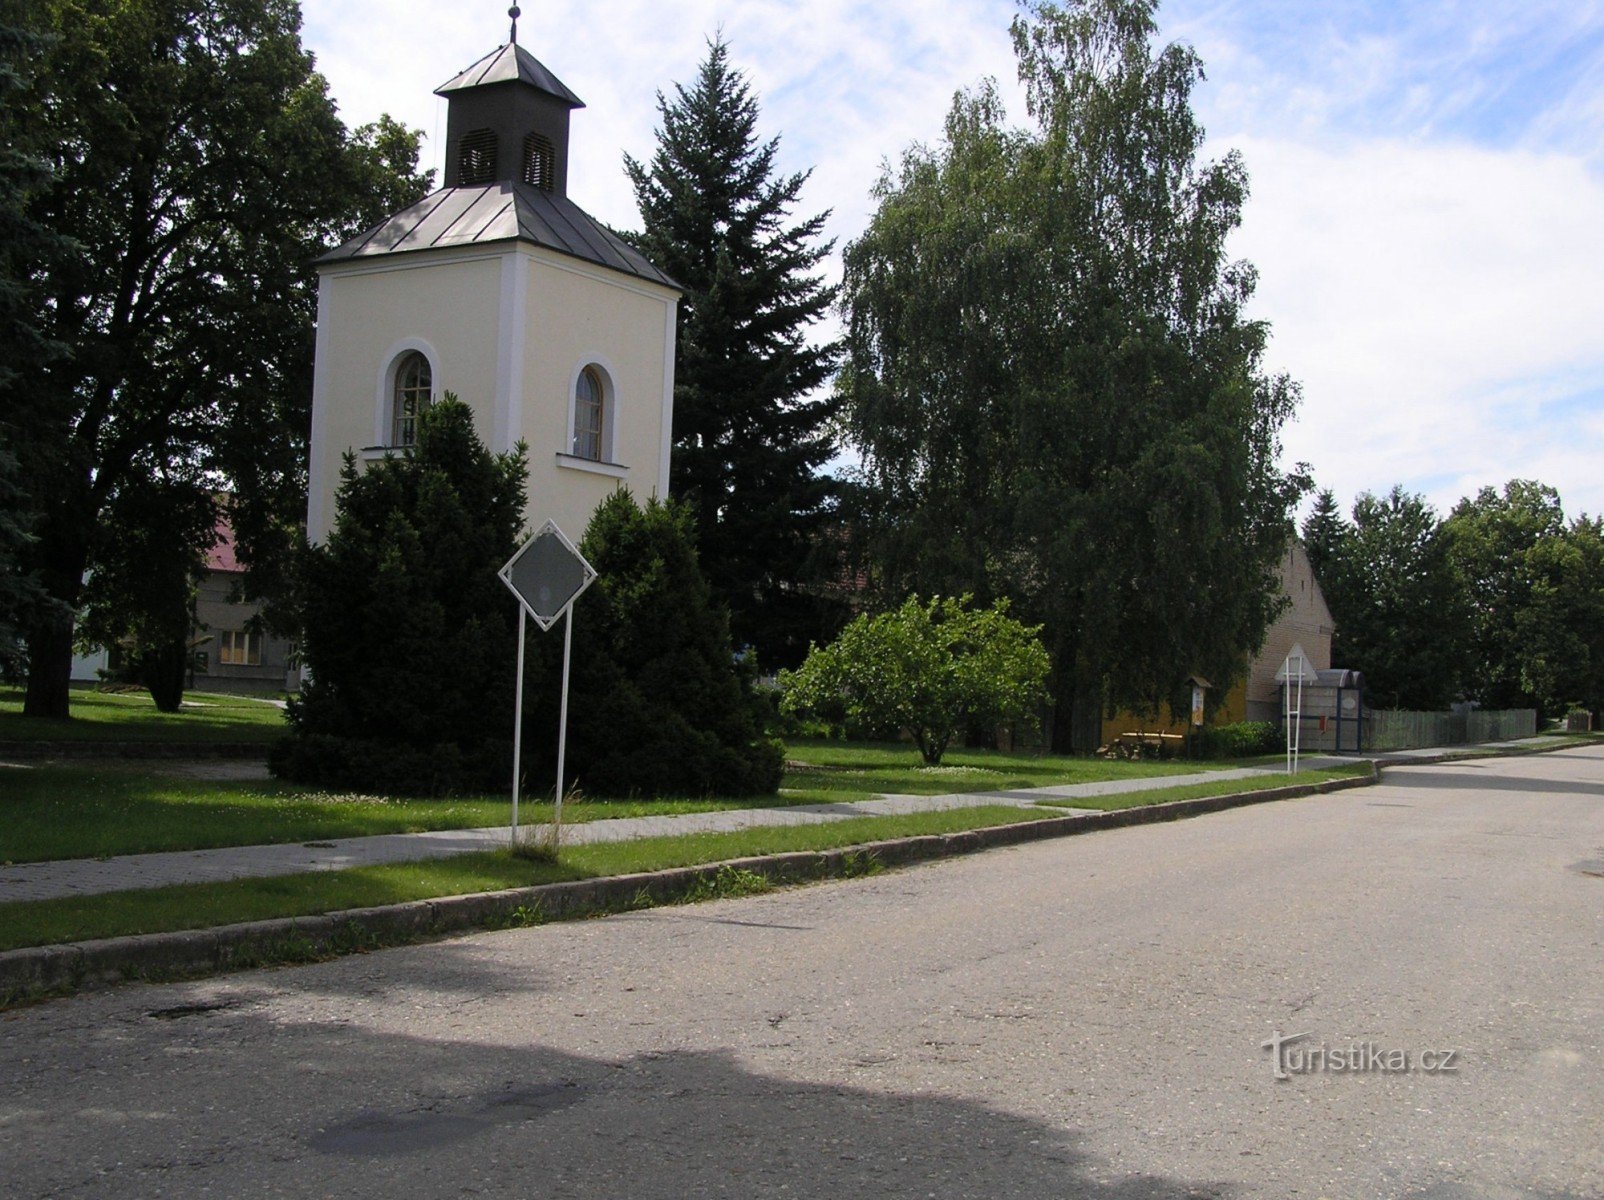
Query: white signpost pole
[[1290, 676], [518, 721], [562, 728], [547, 574], [1297, 736]]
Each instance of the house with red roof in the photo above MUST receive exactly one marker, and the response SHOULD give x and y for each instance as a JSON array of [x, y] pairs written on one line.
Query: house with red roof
[[233, 653]]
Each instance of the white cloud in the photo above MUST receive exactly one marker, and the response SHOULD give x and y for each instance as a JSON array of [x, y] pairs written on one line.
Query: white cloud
[[1440, 305], [1425, 216]]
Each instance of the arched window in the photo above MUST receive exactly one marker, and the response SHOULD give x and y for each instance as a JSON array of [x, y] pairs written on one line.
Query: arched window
[[540, 162], [590, 415], [414, 389], [476, 158]]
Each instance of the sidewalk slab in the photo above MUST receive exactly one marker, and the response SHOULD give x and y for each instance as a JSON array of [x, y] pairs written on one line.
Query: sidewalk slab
[[82, 877]]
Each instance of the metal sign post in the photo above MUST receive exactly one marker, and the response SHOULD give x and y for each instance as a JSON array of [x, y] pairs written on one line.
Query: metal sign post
[[547, 575], [1292, 674]]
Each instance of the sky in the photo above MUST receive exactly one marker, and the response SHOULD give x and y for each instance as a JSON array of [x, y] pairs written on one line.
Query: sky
[[1427, 208]]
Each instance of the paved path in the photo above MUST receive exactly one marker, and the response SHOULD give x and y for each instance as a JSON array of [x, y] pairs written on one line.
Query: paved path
[[82, 877], [1077, 1018]]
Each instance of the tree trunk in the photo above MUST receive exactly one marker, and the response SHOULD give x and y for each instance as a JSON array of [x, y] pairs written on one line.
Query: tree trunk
[[1077, 725], [61, 562], [162, 672], [49, 667]]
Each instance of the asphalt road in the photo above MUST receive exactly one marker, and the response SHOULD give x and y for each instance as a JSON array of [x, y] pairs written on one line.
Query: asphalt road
[[1081, 1018]]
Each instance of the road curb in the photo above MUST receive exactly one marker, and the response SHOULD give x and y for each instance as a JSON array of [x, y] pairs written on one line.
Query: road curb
[[43, 970], [1472, 753]]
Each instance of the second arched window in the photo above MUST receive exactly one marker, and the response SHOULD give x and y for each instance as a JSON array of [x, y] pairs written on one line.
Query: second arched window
[[590, 399], [414, 388]]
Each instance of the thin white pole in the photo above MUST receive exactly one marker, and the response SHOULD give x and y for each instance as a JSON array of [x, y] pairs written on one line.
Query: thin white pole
[[1297, 737], [1286, 709], [562, 728], [518, 722]]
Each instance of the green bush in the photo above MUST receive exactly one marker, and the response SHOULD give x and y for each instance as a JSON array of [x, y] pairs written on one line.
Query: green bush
[[930, 669], [1245, 739], [408, 634], [659, 704]]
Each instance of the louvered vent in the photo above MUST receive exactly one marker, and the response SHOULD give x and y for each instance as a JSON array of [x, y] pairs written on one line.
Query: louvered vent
[[540, 162], [476, 157]]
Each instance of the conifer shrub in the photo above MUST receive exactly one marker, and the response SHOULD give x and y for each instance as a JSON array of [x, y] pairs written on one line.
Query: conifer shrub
[[408, 634], [659, 704]]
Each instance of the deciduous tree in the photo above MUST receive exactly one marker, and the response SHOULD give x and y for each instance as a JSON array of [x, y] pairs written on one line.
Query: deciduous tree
[[1052, 380], [198, 166], [25, 245], [1398, 602], [930, 669], [1491, 537]]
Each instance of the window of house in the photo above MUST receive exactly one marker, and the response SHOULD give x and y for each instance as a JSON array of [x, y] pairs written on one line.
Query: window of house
[[239, 648], [540, 162], [589, 415], [414, 389], [476, 158]]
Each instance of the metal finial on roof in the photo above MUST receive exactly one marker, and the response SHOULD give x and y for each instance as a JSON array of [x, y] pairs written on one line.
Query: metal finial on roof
[[515, 12]]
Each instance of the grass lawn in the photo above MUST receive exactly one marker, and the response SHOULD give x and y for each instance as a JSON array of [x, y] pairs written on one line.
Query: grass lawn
[[871, 768], [132, 717], [91, 810], [196, 906], [97, 810]]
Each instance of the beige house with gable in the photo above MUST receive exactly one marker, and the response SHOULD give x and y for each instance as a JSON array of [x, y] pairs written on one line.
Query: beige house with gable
[[500, 289], [1305, 621]]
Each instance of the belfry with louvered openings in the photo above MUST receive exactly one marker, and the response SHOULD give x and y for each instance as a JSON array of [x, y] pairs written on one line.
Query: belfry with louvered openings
[[499, 288]]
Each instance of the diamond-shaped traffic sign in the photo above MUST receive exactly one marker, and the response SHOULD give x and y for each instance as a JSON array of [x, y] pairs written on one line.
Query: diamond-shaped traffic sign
[[547, 575]]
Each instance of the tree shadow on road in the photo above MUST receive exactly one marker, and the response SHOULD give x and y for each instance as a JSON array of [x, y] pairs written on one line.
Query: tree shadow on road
[[236, 1101]]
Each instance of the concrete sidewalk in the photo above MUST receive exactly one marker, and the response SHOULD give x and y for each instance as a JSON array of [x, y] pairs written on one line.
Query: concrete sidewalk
[[83, 877]]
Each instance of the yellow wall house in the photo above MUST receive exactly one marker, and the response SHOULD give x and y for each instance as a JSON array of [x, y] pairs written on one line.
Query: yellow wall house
[[499, 288], [1304, 621]]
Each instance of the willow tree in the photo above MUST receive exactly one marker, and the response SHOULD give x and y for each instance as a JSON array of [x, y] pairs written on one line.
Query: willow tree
[[1052, 381]]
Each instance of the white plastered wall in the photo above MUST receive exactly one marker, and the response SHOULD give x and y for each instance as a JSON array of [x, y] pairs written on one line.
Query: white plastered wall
[[508, 329]]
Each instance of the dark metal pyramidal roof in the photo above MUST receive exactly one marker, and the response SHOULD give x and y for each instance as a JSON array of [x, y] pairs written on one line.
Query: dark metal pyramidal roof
[[499, 212], [511, 64]]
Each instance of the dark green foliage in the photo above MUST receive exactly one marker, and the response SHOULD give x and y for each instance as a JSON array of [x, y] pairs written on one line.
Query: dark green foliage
[[198, 166], [749, 435], [25, 245], [1536, 593], [1397, 600], [1323, 531], [658, 705], [409, 634], [1245, 739], [143, 590], [1056, 390]]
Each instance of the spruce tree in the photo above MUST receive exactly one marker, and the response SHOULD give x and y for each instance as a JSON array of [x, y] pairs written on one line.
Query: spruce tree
[[750, 435], [1323, 531]]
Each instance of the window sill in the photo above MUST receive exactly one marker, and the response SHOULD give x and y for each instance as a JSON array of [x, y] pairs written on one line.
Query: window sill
[[574, 463], [374, 453]]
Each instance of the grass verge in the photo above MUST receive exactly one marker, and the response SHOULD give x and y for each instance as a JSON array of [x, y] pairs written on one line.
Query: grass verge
[[199, 906], [1197, 791]]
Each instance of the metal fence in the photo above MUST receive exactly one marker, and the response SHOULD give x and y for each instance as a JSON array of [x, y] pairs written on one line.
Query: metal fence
[[1395, 730]]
